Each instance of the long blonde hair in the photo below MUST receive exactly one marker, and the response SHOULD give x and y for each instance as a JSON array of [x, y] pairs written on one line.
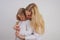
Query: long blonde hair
[[37, 21]]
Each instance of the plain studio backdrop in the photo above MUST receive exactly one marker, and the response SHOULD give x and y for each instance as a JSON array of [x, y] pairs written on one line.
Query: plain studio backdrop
[[50, 10]]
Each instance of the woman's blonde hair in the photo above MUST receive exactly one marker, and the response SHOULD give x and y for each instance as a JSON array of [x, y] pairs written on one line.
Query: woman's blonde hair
[[37, 21]]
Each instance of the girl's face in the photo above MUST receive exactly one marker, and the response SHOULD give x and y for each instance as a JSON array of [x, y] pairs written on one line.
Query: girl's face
[[28, 14], [22, 17]]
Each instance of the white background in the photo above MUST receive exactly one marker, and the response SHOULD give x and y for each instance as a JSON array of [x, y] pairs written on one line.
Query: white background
[[50, 10]]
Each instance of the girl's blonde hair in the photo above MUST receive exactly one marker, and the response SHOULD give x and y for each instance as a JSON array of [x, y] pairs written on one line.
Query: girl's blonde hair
[[37, 21], [20, 11]]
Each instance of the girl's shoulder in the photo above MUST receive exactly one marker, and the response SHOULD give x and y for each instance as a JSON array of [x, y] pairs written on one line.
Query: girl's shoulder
[[27, 20]]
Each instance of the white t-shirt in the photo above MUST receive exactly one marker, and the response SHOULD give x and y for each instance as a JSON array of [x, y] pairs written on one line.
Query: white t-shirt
[[25, 28]]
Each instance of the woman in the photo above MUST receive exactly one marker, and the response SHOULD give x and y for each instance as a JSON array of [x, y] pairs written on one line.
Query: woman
[[36, 20]]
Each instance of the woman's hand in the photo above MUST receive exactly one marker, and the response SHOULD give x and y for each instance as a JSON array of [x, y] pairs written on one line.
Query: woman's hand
[[16, 27], [19, 35]]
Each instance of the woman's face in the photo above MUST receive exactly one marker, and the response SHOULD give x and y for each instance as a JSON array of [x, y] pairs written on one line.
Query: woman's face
[[28, 14]]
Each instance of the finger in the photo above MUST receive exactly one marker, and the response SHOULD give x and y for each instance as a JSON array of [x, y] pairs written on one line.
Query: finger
[[14, 27], [17, 26], [18, 29]]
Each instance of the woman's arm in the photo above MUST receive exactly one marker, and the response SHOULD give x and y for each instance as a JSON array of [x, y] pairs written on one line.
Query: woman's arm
[[16, 26]]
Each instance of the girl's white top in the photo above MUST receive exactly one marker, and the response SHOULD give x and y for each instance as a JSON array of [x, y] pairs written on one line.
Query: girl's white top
[[25, 28]]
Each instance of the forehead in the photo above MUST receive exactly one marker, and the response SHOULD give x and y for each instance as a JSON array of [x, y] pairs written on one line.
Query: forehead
[[28, 12]]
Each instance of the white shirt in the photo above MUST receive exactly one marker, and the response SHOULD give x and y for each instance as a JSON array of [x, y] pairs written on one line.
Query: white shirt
[[25, 29], [34, 36]]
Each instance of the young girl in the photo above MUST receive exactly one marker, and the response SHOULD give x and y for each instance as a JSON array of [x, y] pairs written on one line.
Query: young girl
[[23, 24]]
